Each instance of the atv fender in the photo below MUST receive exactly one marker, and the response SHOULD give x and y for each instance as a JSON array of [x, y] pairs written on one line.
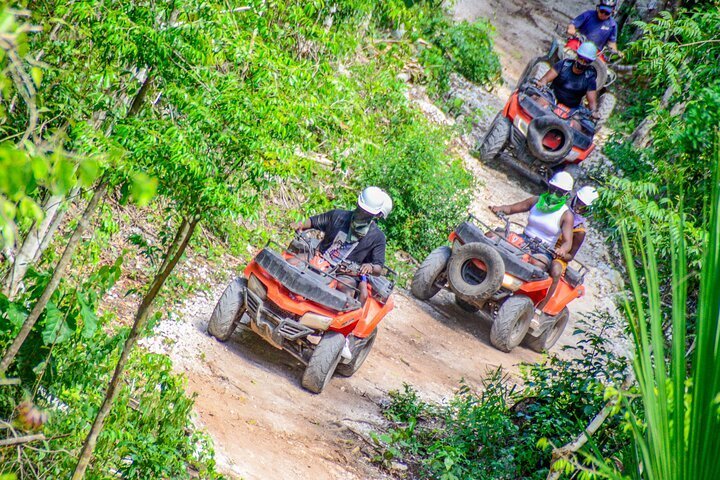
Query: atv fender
[[373, 313]]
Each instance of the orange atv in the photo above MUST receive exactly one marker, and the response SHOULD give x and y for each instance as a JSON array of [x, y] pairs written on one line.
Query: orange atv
[[291, 300], [490, 273], [544, 135]]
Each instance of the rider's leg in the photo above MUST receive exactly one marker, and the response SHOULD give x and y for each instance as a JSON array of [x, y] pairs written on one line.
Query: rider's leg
[[347, 285], [556, 270]]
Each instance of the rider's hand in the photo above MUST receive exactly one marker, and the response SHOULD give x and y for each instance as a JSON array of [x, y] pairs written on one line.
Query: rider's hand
[[366, 269], [561, 252], [297, 226]]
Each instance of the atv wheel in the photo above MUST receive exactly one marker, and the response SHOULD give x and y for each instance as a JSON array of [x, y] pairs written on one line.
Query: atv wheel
[[468, 281], [359, 354], [496, 138], [606, 104], [539, 145], [551, 335], [228, 311], [467, 306], [425, 281], [602, 72], [512, 322], [323, 362]]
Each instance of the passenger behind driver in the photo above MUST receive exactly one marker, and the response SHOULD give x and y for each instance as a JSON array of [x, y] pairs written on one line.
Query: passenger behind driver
[[582, 199], [597, 25], [550, 219], [353, 236]]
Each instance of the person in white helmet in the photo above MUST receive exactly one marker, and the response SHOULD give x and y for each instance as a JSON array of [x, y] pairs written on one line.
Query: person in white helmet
[[550, 219], [579, 204], [353, 235]]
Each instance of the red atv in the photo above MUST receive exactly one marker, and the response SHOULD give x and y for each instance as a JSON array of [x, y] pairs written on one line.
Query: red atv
[[291, 300], [544, 135], [489, 273]]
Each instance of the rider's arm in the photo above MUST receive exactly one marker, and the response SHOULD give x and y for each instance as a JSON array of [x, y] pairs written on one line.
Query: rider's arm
[[567, 234], [376, 258], [577, 241], [300, 226], [592, 100], [571, 30], [548, 77], [519, 207]]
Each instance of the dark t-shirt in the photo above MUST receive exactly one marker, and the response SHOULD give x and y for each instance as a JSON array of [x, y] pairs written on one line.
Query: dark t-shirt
[[369, 249], [597, 31], [569, 87]]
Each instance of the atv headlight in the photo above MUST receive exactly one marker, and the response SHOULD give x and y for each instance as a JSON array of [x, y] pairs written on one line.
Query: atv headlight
[[257, 287], [511, 283], [316, 321]]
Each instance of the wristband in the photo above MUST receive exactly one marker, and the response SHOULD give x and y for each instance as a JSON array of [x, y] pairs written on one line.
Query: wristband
[[363, 278]]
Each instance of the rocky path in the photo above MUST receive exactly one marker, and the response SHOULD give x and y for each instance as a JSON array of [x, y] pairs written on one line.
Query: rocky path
[[249, 398]]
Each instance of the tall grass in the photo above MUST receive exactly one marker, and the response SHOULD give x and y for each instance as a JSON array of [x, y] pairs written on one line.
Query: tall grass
[[677, 435]]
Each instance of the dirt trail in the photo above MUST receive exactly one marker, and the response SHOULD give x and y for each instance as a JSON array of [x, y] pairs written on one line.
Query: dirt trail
[[265, 426]]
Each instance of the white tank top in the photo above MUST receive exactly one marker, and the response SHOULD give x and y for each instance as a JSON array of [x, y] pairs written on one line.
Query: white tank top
[[545, 226]]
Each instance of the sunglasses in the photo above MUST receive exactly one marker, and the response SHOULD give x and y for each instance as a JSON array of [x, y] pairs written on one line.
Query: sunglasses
[[605, 11], [557, 191], [583, 60]]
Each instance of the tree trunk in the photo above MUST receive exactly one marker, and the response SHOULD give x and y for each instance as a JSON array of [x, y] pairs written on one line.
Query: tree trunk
[[175, 251], [52, 285], [59, 216], [30, 246]]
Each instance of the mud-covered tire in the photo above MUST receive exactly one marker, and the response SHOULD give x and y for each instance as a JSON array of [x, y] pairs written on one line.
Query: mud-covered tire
[[359, 356], [602, 72], [467, 306], [424, 283], [537, 130], [512, 322], [228, 311], [495, 139], [323, 362], [495, 270], [550, 336], [606, 105]]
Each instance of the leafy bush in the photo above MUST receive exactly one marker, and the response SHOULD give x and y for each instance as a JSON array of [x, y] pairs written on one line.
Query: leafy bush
[[470, 48], [430, 190], [494, 434]]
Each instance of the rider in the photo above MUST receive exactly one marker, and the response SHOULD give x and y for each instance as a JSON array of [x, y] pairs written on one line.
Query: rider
[[598, 26], [352, 235], [571, 80], [583, 198], [550, 219]]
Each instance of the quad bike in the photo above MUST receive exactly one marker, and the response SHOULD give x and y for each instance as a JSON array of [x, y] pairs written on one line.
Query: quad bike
[[545, 136], [489, 272], [291, 300]]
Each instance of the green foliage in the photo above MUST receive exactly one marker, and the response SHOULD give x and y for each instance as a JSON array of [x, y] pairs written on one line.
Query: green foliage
[[503, 431]]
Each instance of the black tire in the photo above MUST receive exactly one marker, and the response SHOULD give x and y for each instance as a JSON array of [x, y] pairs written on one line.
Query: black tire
[[228, 311], [424, 283], [495, 139], [323, 362], [512, 322], [541, 126], [551, 335], [467, 306], [606, 105], [602, 73], [469, 289], [359, 354]]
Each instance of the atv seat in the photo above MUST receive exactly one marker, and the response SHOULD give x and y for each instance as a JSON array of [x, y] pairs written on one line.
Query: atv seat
[[305, 282], [512, 256]]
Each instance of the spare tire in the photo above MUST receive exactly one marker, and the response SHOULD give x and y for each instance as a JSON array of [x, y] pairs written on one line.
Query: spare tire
[[546, 125], [469, 282]]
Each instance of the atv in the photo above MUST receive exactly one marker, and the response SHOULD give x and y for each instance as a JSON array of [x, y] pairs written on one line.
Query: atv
[[291, 300], [489, 273], [544, 135]]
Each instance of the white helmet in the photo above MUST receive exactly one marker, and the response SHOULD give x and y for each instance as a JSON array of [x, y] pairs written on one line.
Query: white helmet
[[372, 199], [587, 195], [387, 205], [563, 181]]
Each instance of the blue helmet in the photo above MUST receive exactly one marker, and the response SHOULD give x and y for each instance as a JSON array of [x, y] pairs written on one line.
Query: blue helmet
[[588, 51]]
